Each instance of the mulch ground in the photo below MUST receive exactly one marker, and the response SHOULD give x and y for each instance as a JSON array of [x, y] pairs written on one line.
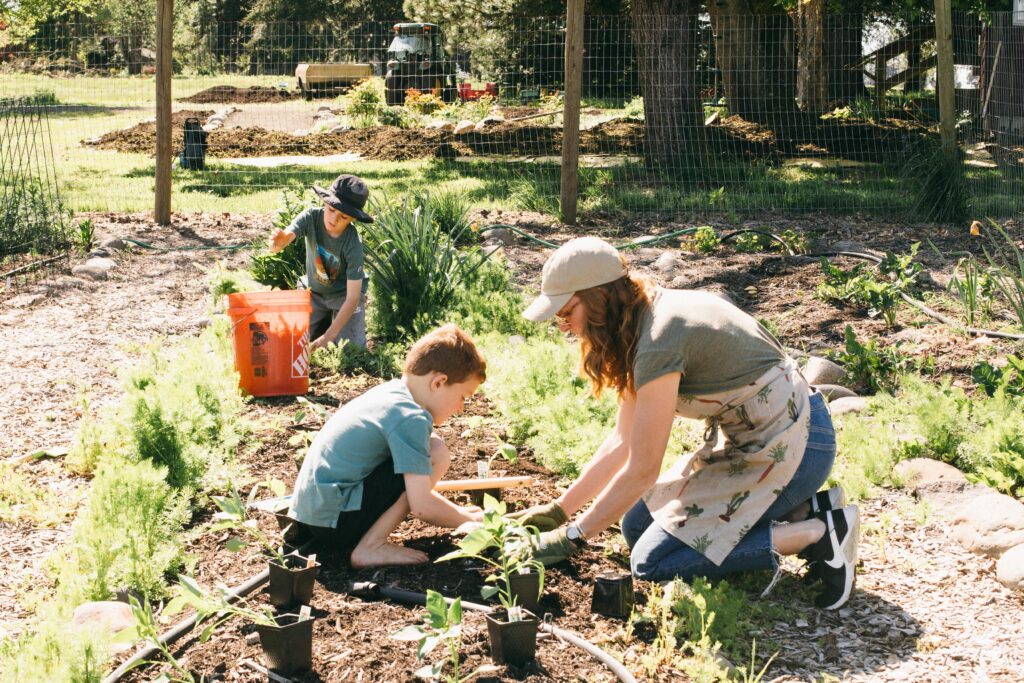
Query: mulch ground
[[229, 94], [924, 609]]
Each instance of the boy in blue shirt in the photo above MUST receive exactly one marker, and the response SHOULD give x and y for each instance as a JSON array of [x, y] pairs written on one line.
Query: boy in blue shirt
[[377, 459], [334, 260]]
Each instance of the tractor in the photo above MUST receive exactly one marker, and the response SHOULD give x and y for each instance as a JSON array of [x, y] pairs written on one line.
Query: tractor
[[417, 60]]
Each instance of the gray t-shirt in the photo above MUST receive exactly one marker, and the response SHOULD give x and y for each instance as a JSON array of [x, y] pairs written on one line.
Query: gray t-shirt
[[330, 261], [383, 423], [716, 346]]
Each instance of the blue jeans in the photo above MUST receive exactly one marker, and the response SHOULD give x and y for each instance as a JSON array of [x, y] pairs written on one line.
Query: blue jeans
[[657, 555]]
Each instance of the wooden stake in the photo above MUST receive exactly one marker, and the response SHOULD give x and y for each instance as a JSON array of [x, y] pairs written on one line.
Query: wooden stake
[[488, 483], [945, 78], [164, 149], [571, 109]]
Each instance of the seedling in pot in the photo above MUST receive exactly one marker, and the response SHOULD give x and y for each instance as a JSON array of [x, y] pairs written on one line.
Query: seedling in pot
[[505, 450], [443, 624], [512, 545]]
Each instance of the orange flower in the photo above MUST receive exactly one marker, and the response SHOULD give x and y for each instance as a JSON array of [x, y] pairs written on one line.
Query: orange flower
[[474, 227], [976, 228]]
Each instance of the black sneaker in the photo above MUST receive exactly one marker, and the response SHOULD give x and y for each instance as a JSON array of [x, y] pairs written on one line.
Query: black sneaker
[[822, 501], [834, 557]]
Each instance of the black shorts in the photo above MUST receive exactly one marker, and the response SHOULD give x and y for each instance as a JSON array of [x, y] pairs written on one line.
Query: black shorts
[[380, 491]]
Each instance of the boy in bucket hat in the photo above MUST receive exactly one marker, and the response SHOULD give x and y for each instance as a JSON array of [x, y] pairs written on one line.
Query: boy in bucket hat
[[334, 260]]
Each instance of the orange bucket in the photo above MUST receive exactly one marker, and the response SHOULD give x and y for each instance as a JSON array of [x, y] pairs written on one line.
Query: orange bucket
[[271, 336]]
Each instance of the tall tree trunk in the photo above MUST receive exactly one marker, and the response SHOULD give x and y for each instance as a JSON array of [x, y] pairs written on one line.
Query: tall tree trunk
[[811, 71], [665, 39], [755, 56], [844, 33]]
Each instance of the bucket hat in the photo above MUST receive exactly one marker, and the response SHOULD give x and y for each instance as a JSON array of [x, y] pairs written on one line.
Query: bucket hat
[[578, 264], [348, 194]]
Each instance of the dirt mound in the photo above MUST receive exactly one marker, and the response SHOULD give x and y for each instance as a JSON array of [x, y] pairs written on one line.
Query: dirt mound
[[224, 94], [141, 138]]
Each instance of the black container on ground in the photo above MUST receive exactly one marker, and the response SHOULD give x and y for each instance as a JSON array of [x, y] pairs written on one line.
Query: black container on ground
[[613, 595], [525, 589], [288, 645], [292, 584], [477, 495], [512, 642]]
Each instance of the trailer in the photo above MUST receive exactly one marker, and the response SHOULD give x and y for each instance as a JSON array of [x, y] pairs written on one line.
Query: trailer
[[328, 78]]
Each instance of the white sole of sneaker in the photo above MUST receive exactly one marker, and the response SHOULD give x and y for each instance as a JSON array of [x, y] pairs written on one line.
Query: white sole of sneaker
[[849, 553]]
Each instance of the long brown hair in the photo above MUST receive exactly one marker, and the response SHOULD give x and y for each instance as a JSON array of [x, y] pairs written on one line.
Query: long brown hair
[[608, 342]]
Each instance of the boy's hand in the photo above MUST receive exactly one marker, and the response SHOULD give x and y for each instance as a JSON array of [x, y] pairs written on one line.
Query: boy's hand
[[279, 239], [318, 343], [546, 517]]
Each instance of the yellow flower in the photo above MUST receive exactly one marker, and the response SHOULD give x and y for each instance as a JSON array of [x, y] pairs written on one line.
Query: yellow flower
[[976, 228], [474, 227]]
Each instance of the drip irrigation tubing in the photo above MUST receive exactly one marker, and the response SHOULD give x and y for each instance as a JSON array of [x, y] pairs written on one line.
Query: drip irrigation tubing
[[916, 303], [186, 625], [370, 589], [205, 247]]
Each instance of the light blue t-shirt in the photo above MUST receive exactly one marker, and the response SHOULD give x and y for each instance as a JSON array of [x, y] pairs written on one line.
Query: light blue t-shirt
[[383, 423]]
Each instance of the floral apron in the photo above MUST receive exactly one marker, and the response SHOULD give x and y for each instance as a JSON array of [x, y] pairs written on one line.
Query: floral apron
[[754, 442]]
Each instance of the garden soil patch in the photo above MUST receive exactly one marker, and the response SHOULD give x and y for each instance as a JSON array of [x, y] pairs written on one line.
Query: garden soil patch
[[923, 610], [229, 94]]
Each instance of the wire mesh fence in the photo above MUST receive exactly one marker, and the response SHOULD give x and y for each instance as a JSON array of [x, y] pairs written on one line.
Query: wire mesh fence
[[33, 224], [682, 115]]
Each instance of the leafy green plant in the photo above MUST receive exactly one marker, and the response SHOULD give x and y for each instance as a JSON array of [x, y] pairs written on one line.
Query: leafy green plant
[[423, 102], [383, 360], [451, 213], [399, 117], [706, 239], [213, 608], [1006, 263], [974, 288], [513, 544], [634, 109], [415, 268], [870, 365], [283, 269], [1008, 380], [488, 301], [147, 628], [232, 517], [364, 102], [85, 236], [442, 624], [753, 242], [859, 287]]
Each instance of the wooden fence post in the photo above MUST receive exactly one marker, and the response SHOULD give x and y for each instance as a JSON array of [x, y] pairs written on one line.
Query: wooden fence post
[[945, 78], [571, 109], [164, 150]]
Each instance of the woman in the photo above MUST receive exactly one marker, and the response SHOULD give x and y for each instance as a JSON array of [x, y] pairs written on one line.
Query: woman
[[769, 440]]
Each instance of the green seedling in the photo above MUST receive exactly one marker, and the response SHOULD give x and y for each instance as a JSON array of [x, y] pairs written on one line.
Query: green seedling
[[442, 624], [511, 542], [147, 628], [232, 517]]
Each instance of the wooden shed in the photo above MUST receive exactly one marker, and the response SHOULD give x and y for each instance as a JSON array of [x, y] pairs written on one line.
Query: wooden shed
[[1001, 82]]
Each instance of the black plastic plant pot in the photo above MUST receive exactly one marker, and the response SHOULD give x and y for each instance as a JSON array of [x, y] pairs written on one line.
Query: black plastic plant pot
[[288, 644], [477, 495], [613, 595], [525, 588], [512, 642], [292, 584]]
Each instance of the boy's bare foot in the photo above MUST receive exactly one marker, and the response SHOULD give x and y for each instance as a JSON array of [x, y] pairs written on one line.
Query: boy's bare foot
[[386, 554]]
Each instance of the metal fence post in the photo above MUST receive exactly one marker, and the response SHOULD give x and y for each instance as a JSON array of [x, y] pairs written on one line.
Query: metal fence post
[[164, 151], [571, 110]]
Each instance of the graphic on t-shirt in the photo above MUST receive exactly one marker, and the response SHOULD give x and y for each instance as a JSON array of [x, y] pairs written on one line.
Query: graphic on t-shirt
[[327, 266]]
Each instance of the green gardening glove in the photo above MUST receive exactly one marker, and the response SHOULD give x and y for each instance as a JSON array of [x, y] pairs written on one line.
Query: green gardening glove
[[554, 547], [546, 517]]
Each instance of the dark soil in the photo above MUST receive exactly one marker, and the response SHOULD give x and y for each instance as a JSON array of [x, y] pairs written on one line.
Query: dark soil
[[733, 136], [229, 94]]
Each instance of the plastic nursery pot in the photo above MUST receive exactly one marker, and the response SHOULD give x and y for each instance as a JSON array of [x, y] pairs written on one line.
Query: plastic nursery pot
[[288, 644], [293, 583], [525, 588], [477, 495], [512, 642], [613, 595]]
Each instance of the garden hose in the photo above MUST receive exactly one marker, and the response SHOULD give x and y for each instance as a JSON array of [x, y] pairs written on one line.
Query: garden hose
[[221, 247], [186, 625], [369, 589]]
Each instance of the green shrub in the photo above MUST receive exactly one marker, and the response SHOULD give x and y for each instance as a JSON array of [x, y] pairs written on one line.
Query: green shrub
[[869, 365], [399, 117], [487, 301], [283, 269], [385, 360], [32, 219], [415, 269], [1006, 268], [939, 184], [1008, 380], [859, 287], [364, 101], [55, 652], [706, 239], [451, 213]]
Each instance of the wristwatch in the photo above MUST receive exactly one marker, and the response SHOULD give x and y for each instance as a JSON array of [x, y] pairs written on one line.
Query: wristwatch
[[575, 534]]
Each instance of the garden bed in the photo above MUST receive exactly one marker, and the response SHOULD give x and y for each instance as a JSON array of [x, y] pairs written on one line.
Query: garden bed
[[229, 94]]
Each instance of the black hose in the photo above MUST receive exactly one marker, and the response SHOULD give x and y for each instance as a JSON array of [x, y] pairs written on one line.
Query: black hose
[[370, 589], [186, 625]]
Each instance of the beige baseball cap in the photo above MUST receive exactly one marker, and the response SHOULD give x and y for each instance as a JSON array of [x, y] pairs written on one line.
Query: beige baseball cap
[[581, 263]]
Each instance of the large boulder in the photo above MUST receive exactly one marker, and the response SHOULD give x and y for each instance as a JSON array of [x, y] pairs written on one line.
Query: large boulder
[[463, 127], [848, 405], [104, 614], [834, 391], [925, 471], [989, 524], [1010, 568], [94, 268]]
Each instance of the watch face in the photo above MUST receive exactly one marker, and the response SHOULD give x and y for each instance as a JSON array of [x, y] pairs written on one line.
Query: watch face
[[573, 533]]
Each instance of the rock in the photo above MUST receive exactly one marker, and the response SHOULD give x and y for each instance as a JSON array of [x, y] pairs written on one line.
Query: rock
[[666, 262], [25, 300], [100, 253], [911, 335], [823, 371], [848, 405], [104, 614], [989, 524], [1010, 568], [946, 495], [834, 391], [489, 121], [502, 236], [113, 244], [94, 268], [849, 245], [341, 128], [493, 249], [463, 127], [924, 471]]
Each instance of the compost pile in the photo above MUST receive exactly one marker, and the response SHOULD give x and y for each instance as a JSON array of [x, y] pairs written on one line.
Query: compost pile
[[229, 94]]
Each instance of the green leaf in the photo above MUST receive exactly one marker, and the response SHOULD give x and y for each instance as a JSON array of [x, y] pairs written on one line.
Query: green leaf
[[488, 592], [409, 633], [54, 452], [276, 487], [235, 544], [175, 605], [427, 646], [126, 636], [455, 612], [509, 452], [190, 585]]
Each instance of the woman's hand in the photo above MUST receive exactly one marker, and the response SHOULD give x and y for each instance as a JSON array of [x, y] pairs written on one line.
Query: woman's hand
[[546, 517], [555, 547]]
